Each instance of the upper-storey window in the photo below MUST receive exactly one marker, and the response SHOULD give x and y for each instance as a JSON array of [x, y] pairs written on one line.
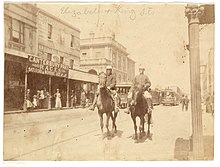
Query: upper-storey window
[[50, 31], [72, 41], [17, 31]]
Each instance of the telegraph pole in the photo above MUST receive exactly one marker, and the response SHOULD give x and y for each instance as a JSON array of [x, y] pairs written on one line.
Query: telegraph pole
[[193, 13]]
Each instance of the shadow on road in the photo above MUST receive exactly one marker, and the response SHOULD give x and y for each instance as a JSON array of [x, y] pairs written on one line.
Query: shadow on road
[[143, 139], [112, 135]]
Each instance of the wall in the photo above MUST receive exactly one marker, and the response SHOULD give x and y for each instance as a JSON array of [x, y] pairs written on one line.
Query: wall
[[60, 43]]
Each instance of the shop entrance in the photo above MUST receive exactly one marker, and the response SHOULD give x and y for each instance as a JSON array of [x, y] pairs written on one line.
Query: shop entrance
[[61, 84], [14, 83]]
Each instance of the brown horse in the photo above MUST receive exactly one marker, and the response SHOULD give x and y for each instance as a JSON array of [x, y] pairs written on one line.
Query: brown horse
[[105, 105], [139, 109]]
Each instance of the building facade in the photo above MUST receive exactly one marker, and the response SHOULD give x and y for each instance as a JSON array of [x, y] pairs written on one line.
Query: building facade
[[42, 53], [20, 40], [97, 53]]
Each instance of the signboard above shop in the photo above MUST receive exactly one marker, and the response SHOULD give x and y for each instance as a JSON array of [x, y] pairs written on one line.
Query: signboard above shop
[[46, 67]]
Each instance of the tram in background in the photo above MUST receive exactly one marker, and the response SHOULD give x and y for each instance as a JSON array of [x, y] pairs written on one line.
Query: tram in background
[[171, 96], [156, 96], [122, 90]]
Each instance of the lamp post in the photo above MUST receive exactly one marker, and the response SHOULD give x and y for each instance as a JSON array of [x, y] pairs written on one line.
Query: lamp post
[[193, 13]]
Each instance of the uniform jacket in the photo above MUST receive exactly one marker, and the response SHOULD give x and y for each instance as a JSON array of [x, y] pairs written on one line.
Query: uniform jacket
[[141, 80], [111, 81]]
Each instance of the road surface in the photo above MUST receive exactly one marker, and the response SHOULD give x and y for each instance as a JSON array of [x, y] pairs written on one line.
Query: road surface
[[75, 134]]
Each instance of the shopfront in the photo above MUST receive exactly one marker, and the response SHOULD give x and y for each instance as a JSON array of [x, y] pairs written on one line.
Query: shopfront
[[47, 76], [14, 82]]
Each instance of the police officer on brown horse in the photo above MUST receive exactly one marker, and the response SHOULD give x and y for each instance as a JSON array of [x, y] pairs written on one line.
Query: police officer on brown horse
[[140, 81], [111, 85]]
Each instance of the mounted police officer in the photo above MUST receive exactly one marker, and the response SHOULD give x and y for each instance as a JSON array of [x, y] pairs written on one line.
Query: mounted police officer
[[140, 81], [111, 85]]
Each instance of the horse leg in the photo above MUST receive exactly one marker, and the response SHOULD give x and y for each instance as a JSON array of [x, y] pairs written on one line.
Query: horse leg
[[115, 116], [135, 127], [101, 122], [148, 130], [112, 117], [107, 123], [141, 126]]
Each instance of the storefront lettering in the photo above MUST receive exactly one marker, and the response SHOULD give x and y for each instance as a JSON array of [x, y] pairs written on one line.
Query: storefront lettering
[[41, 66]]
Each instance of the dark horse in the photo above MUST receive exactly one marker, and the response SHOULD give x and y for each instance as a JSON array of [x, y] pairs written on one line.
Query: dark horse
[[140, 109], [105, 104]]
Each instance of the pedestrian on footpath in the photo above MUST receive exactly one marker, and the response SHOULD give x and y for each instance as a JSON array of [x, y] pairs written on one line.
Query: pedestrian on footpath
[[73, 99], [183, 102], [186, 103], [28, 100], [58, 104]]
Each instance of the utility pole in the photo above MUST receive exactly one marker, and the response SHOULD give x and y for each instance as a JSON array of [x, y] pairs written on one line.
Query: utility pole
[[193, 13]]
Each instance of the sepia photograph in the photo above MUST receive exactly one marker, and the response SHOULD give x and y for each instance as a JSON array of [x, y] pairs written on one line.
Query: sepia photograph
[[108, 81]]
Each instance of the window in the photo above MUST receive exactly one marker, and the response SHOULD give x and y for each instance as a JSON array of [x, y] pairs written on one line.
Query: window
[[61, 59], [72, 41], [49, 56], [17, 31], [119, 62], [71, 63], [119, 78], [114, 60], [84, 54], [97, 54], [124, 64], [49, 31]]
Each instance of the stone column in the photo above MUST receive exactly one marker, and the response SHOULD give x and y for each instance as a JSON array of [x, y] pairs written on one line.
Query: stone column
[[193, 12]]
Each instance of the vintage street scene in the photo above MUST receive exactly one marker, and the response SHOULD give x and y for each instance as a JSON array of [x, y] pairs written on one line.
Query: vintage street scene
[[108, 81]]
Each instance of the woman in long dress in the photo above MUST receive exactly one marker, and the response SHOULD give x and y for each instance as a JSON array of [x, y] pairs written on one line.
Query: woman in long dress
[[58, 103]]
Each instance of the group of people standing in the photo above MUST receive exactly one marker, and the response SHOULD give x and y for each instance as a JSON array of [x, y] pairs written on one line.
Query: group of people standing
[[41, 99], [38, 101]]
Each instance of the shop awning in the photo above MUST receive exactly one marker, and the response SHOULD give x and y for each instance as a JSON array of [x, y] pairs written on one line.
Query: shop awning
[[82, 76]]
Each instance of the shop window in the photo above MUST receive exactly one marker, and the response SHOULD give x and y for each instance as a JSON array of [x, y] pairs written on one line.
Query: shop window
[[61, 59], [50, 31], [71, 63], [49, 56], [17, 29]]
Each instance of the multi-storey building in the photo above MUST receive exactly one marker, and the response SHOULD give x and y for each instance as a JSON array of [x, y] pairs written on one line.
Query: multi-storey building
[[97, 53], [41, 53], [20, 41]]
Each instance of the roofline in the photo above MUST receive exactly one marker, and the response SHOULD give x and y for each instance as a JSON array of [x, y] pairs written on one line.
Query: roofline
[[57, 19]]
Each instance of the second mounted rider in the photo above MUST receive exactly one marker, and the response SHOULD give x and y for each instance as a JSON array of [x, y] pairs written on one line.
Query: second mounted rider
[[141, 83]]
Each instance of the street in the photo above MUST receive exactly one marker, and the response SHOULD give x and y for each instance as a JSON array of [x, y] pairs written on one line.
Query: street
[[75, 134]]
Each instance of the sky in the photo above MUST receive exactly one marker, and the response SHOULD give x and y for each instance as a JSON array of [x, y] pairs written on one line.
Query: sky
[[154, 35]]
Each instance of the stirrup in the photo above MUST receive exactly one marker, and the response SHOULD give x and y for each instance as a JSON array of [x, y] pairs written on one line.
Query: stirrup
[[92, 107]]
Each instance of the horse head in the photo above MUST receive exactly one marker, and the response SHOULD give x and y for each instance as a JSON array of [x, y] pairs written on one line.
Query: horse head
[[102, 79]]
